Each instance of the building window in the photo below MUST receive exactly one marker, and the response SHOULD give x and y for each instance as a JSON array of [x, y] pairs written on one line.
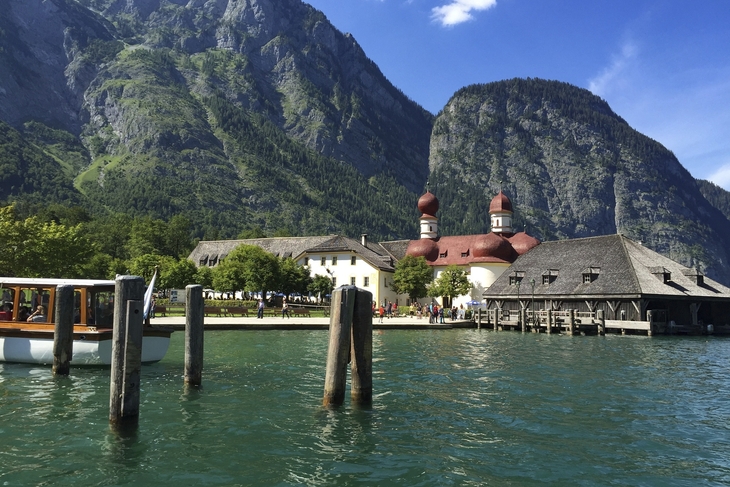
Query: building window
[[366, 281], [353, 260], [385, 281], [323, 261], [306, 261], [587, 278], [334, 260], [352, 281], [444, 254], [334, 282], [465, 254]]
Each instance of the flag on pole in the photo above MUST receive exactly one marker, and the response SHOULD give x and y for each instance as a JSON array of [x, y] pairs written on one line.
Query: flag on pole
[[148, 296]]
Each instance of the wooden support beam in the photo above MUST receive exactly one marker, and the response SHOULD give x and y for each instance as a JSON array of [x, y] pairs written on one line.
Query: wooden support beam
[[194, 334], [63, 335]]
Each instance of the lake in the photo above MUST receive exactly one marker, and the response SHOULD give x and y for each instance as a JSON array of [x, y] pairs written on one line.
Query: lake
[[451, 407]]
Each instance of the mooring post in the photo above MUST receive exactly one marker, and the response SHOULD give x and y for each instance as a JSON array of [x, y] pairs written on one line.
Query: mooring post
[[341, 315], [361, 355], [194, 307], [126, 363], [63, 336], [571, 321], [479, 318], [601, 315], [549, 321], [497, 313], [522, 317]]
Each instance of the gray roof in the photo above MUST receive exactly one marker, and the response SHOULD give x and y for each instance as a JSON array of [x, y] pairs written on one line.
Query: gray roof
[[294, 247], [619, 266], [395, 248]]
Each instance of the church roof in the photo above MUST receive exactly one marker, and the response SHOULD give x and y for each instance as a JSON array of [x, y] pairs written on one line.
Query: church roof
[[500, 203], [617, 266]]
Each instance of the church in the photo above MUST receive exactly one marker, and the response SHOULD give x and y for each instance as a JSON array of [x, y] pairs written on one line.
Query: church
[[371, 265]]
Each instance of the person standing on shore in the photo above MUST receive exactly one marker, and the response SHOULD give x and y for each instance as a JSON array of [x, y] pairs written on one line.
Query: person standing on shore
[[260, 312], [285, 309]]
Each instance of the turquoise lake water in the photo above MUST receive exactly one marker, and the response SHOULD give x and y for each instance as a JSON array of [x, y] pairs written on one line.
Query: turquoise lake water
[[451, 407]]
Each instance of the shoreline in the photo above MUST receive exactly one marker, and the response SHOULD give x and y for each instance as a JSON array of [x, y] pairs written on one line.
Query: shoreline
[[299, 323]]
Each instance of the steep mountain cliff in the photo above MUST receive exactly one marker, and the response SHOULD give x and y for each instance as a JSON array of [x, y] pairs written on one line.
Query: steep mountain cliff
[[254, 113], [572, 168], [234, 110]]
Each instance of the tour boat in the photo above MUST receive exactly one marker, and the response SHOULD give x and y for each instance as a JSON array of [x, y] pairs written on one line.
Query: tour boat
[[27, 322]]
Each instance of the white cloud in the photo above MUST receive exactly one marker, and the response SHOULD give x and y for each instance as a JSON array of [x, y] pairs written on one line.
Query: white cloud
[[613, 75], [459, 11], [721, 177]]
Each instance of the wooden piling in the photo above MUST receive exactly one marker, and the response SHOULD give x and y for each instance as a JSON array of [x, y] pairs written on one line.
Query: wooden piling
[[479, 318], [63, 335], [126, 350], [361, 354], [601, 317], [571, 322], [549, 321], [497, 313], [522, 316], [194, 326], [341, 315]]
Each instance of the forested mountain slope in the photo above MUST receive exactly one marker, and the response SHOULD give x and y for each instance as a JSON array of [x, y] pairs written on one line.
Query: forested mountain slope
[[573, 168], [241, 114], [236, 112]]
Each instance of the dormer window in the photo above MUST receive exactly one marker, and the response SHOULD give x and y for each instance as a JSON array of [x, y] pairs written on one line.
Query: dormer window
[[590, 274], [661, 273], [550, 275], [444, 254], [695, 276], [203, 259], [213, 260], [516, 277], [465, 254]]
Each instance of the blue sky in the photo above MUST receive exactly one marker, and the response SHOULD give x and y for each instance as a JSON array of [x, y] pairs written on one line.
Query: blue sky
[[662, 65]]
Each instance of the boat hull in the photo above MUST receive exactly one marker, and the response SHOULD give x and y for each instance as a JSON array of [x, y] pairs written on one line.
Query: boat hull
[[39, 350]]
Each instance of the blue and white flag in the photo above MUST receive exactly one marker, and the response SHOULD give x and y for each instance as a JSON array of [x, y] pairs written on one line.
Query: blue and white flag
[[148, 296]]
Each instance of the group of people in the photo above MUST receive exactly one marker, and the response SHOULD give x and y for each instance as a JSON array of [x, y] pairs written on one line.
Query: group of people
[[24, 314], [386, 309]]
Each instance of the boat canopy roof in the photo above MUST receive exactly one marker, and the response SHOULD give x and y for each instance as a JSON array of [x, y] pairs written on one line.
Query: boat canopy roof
[[49, 282]]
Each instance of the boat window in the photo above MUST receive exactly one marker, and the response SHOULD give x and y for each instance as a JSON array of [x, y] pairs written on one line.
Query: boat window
[[77, 306], [101, 309], [6, 306], [28, 301]]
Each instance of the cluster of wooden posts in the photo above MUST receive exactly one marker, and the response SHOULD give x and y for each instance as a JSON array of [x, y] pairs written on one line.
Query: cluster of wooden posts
[[126, 363], [569, 322], [350, 341]]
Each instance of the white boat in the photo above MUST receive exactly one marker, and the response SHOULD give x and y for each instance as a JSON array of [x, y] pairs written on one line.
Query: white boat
[[27, 322]]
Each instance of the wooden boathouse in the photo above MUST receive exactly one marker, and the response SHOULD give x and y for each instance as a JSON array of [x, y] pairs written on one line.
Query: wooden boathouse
[[605, 284]]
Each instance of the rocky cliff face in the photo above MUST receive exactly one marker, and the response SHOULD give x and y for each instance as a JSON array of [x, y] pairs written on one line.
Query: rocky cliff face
[[572, 168]]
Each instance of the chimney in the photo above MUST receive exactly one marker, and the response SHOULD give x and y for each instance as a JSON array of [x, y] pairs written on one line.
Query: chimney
[[364, 239]]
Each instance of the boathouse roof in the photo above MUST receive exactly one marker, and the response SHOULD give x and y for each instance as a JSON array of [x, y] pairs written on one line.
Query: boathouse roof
[[612, 265]]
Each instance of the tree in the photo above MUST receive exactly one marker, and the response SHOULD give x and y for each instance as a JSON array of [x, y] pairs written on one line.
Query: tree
[[32, 248], [204, 277], [294, 278], [247, 267], [412, 276], [321, 285], [178, 275], [452, 282]]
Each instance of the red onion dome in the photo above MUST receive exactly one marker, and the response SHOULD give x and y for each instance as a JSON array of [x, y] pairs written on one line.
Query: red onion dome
[[523, 242], [500, 203], [424, 247], [493, 245], [428, 204]]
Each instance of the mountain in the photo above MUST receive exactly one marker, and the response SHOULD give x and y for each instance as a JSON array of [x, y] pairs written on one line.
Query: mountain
[[251, 113], [236, 112], [573, 168]]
